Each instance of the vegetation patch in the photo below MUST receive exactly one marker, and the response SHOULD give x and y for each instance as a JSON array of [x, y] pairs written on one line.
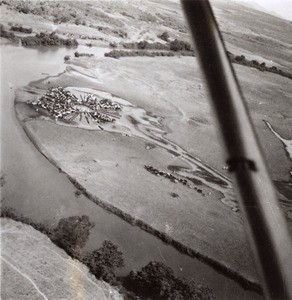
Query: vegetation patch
[[157, 281], [144, 45], [21, 29], [178, 45], [106, 30], [47, 39], [241, 60], [175, 45], [130, 53], [121, 53], [103, 262], [78, 54], [164, 36], [172, 178], [6, 212], [71, 234], [7, 34]]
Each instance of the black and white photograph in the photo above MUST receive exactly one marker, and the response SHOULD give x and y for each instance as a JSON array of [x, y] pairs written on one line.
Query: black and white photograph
[[146, 149]]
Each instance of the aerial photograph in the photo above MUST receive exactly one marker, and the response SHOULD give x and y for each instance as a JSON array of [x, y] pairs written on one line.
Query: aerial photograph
[[146, 149]]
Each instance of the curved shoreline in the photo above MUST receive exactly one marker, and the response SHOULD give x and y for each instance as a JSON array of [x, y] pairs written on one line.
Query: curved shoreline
[[220, 267]]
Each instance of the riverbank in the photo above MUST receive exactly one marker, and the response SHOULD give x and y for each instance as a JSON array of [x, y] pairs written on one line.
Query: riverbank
[[31, 264]]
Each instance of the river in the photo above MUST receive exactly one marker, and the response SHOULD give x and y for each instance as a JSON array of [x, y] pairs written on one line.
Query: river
[[38, 191]]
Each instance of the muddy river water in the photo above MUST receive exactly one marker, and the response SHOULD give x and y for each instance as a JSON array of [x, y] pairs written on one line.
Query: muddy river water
[[36, 189]]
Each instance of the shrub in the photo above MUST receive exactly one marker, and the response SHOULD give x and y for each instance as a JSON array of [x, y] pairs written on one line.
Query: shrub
[[66, 58], [142, 45], [78, 54], [78, 21], [6, 34], [177, 45], [129, 45], [72, 233], [240, 58], [113, 44], [188, 46], [164, 36], [255, 62]]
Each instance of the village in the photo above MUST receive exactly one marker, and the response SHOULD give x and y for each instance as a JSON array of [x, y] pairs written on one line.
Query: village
[[62, 104]]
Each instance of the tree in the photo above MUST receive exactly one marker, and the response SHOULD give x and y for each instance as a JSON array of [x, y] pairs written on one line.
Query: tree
[[157, 281], [72, 233], [154, 280], [142, 45], [103, 261]]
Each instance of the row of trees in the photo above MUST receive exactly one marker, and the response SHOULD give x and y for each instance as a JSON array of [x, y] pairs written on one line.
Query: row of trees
[[21, 29], [154, 281], [47, 39], [242, 60], [175, 45]]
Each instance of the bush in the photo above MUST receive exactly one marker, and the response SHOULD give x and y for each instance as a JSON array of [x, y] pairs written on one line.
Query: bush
[[66, 58], [72, 233], [188, 46], [6, 34], [78, 54], [142, 45], [113, 44], [255, 62], [30, 41], [78, 21], [164, 36], [240, 58], [177, 45]]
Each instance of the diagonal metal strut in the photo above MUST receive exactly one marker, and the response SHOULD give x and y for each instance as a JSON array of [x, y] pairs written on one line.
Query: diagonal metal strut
[[264, 222]]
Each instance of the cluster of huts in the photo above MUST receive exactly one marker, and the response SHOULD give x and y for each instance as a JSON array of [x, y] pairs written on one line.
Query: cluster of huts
[[62, 104]]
